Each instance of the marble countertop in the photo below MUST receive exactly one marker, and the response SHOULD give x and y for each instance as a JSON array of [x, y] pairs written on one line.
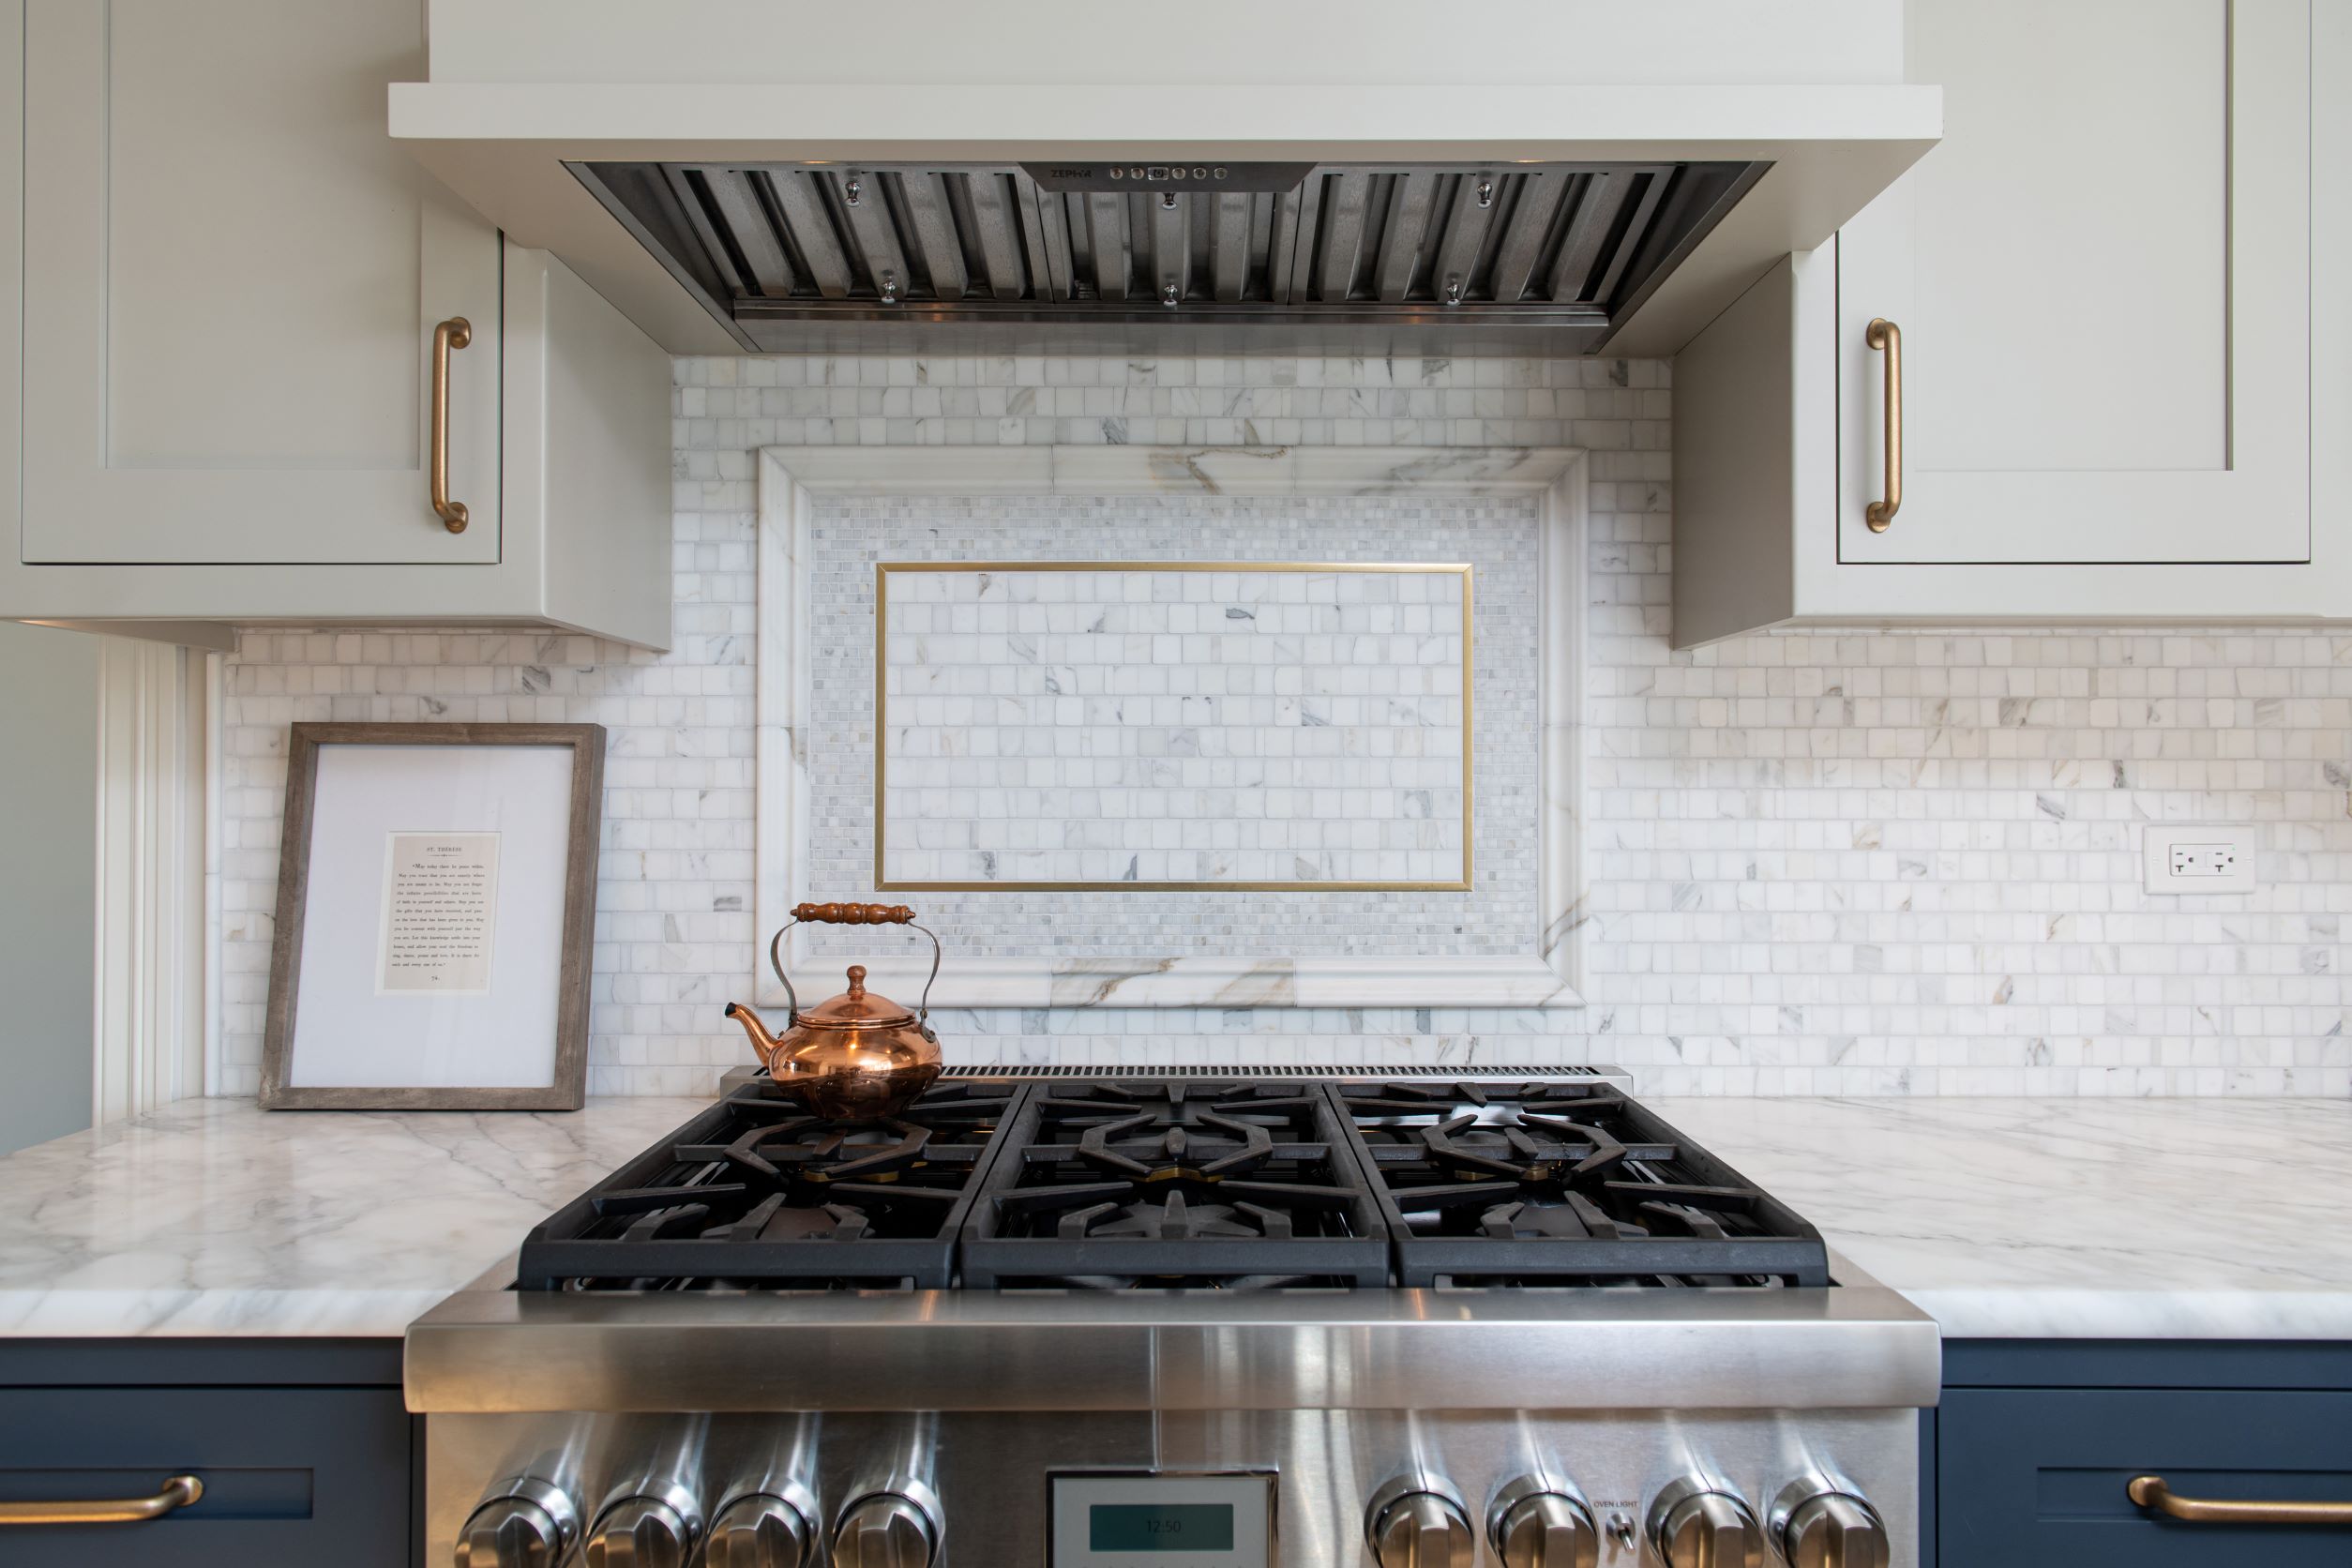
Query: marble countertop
[[2069, 1218], [2001, 1218], [216, 1217]]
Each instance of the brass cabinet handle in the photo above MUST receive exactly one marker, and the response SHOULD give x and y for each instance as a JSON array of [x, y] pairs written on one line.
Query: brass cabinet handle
[[2150, 1491], [1884, 333], [177, 1493], [454, 333]]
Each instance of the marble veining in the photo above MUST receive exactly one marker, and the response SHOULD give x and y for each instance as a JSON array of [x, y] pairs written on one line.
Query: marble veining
[[2068, 1218], [214, 1218], [2001, 1217]]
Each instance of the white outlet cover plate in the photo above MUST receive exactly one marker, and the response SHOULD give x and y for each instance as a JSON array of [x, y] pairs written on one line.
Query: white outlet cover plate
[[2237, 848]]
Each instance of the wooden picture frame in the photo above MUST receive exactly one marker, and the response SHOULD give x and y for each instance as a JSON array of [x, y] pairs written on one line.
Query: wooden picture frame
[[567, 1087]]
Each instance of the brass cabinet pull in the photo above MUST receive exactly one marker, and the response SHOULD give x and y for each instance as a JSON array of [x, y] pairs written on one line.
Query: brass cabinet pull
[[1884, 333], [2150, 1491], [177, 1493], [454, 333]]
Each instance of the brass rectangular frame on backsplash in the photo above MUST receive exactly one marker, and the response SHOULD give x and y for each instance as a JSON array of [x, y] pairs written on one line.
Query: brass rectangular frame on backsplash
[[881, 676]]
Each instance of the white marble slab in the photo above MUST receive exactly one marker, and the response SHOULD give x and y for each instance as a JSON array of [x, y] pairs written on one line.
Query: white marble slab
[[2069, 1218], [214, 1218], [2002, 1219]]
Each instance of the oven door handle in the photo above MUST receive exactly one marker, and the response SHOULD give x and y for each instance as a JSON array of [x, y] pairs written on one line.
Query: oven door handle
[[2150, 1492]]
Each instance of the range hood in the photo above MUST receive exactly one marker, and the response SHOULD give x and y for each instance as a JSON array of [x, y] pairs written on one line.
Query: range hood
[[743, 176], [1550, 255]]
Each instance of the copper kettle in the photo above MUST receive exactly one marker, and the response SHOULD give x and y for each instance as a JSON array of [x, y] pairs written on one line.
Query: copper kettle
[[859, 1057]]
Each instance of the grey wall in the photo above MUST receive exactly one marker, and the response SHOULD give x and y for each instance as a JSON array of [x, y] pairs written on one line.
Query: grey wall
[[49, 685]]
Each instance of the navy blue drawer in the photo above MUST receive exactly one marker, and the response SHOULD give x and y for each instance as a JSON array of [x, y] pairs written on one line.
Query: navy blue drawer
[[2034, 1478], [291, 1475]]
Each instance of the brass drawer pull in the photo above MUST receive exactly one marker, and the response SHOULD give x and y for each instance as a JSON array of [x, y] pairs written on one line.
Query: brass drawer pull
[[177, 1493], [1884, 333], [454, 333], [2150, 1491]]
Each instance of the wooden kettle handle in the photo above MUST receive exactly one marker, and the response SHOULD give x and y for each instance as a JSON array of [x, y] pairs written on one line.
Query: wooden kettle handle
[[851, 914], [854, 915]]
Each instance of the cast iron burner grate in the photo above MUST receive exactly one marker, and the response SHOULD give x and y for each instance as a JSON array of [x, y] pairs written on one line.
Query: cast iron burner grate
[[1179, 1184], [1490, 1186], [1248, 1182], [755, 1192]]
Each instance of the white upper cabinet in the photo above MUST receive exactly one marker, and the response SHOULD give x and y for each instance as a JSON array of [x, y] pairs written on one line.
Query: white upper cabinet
[[237, 275], [2111, 284], [2102, 277], [231, 278]]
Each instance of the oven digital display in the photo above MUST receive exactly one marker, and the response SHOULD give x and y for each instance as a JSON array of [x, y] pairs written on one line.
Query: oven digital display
[[1160, 1527], [1148, 1518]]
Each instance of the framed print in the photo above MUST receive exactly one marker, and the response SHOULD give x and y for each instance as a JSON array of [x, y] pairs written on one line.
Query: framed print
[[436, 904]]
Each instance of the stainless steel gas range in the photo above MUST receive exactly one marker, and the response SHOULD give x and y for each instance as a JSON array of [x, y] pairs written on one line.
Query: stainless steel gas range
[[1079, 1320]]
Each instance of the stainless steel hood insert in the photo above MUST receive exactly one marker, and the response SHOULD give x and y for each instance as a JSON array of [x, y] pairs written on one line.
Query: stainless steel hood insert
[[1560, 252]]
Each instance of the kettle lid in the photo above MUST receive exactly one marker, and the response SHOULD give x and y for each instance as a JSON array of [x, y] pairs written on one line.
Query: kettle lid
[[856, 1008]]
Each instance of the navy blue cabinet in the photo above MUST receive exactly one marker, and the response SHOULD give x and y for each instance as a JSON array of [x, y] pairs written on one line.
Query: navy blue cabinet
[[305, 1449], [2032, 1447]]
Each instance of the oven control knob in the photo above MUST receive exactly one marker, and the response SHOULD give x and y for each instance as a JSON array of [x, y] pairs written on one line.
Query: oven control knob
[[1419, 1522], [1821, 1527], [762, 1530], [885, 1530], [1534, 1524], [1696, 1525], [645, 1532], [523, 1523]]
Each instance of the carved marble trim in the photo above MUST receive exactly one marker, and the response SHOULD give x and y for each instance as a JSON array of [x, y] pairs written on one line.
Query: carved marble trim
[[1548, 975]]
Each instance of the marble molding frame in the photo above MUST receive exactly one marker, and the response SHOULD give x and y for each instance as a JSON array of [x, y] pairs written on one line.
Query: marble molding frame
[[1548, 975]]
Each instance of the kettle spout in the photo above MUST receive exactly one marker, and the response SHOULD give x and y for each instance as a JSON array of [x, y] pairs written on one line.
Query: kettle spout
[[766, 1044]]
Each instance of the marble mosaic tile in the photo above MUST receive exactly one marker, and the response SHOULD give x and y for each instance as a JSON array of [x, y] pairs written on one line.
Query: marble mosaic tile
[[1166, 725], [1850, 862]]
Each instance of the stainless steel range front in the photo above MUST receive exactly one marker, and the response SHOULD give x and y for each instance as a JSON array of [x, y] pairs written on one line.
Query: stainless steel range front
[[1177, 1323]]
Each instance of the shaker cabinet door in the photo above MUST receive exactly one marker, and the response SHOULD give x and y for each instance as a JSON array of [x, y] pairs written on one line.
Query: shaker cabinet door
[[2036, 1478], [2102, 279], [231, 277], [289, 1475]]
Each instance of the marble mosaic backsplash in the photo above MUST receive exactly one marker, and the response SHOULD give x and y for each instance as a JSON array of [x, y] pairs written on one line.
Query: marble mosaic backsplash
[[1495, 536], [1172, 725], [1817, 862]]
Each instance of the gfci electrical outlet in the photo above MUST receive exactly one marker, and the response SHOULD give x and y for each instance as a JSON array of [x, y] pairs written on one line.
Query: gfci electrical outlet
[[2201, 858]]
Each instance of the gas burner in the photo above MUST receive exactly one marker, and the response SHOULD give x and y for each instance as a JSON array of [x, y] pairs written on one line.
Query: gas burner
[[1377, 1104], [1155, 1149], [1563, 1183], [808, 1149], [1172, 1219], [1176, 1184], [756, 1191]]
